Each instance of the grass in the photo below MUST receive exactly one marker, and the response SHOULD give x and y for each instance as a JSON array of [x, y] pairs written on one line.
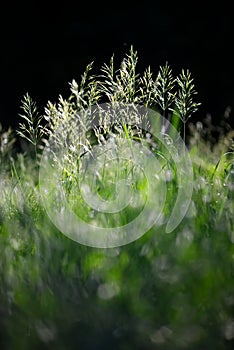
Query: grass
[[163, 291]]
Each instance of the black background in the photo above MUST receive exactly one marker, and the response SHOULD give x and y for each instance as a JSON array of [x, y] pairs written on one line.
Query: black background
[[45, 45]]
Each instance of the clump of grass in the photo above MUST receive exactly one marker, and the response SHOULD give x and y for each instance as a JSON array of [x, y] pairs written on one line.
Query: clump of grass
[[171, 96], [161, 291]]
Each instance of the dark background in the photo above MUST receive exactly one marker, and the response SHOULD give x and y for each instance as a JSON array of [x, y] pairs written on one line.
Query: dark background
[[45, 46]]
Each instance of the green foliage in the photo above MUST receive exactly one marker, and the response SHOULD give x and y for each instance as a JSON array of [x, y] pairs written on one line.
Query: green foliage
[[171, 291]]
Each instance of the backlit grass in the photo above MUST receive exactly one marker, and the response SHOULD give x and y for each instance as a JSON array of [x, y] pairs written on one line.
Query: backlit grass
[[163, 291]]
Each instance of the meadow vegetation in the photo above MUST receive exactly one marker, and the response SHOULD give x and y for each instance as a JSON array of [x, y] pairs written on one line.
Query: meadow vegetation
[[162, 291]]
